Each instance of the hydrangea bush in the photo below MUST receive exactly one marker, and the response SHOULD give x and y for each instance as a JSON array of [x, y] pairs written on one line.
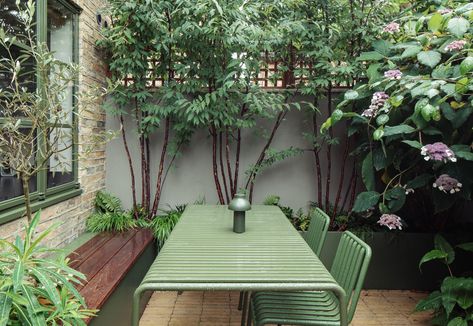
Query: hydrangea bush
[[412, 117]]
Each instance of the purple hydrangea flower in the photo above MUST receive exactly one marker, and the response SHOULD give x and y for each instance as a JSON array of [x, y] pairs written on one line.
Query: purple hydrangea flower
[[391, 221], [455, 45], [377, 102], [438, 152], [447, 184], [445, 11], [393, 74], [392, 28]]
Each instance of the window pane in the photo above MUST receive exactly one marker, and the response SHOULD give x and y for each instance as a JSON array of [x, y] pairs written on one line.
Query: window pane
[[10, 184], [61, 42], [60, 169], [27, 77], [9, 17]]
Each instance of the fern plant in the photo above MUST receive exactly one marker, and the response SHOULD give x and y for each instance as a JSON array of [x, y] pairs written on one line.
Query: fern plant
[[109, 215], [36, 289]]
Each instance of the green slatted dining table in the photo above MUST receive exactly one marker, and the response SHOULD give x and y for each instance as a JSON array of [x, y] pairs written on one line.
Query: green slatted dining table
[[204, 254]]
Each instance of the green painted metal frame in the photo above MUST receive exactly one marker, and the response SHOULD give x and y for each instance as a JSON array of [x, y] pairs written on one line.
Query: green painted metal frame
[[204, 254], [349, 269], [318, 228], [44, 196]]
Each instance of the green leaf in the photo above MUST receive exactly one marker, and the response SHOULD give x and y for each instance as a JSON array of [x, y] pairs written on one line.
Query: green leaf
[[466, 66], [457, 321], [411, 51], [370, 56], [367, 172], [399, 129], [351, 95], [466, 246], [382, 119], [458, 290], [433, 255], [461, 85], [365, 201], [458, 26], [429, 58], [435, 22], [219, 9], [337, 115], [465, 155], [5, 307], [378, 133], [428, 111], [443, 245], [396, 198], [432, 302], [413, 143]]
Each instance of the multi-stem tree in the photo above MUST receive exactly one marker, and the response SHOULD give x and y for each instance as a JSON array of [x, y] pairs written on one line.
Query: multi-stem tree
[[142, 49], [224, 51]]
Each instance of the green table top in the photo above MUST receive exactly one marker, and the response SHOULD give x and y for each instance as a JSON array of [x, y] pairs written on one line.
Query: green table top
[[204, 253]]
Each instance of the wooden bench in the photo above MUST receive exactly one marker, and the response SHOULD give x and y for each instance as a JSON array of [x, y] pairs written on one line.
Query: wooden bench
[[105, 260]]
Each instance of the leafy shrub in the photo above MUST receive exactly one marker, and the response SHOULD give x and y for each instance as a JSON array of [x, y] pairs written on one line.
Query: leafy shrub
[[36, 289], [413, 117], [453, 303], [109, 215], [163, 224]]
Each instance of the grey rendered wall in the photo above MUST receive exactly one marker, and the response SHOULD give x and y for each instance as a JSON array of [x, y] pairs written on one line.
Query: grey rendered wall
[[191, 178]]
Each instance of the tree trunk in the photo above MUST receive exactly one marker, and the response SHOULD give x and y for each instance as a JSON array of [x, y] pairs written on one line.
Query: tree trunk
[[251, 178], [26, 195], [318, 169], [157, 195], [222, 167], [130, 166], [213, 133], [341, 182], [329, 156]]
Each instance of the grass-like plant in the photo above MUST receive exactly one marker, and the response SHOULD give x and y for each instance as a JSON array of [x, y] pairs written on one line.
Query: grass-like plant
[[36, 289], [162, 225], [109, 215]]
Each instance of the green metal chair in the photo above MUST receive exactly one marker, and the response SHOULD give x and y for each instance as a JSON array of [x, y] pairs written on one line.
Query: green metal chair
[[315, 236], [318, 227], [317, 308]]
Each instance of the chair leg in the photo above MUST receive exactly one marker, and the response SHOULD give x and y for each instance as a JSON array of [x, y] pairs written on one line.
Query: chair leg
[[244, 309], [240, 301], [249, 320]]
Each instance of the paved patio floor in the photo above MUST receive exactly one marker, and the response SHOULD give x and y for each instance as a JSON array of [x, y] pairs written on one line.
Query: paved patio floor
[[376, 307]]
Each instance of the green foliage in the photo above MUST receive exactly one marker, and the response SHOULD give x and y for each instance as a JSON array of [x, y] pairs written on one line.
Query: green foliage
[[429, 101], [109, 215], [35, 288], [163, 224], [453, 303]]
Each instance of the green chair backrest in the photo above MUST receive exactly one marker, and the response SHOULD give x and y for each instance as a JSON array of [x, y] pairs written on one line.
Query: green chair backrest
[[350, 266], [318, 227]]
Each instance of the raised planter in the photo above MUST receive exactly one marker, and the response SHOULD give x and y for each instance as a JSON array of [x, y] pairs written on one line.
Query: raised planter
[[395, 260]]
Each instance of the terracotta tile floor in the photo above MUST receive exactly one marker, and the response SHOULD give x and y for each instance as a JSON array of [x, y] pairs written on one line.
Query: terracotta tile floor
[[376, 307]]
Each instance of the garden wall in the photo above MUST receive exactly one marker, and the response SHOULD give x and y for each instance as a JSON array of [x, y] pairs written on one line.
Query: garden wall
[[191, 179], [70, 215]]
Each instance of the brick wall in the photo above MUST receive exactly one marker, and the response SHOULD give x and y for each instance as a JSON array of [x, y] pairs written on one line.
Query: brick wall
[[71, 214]]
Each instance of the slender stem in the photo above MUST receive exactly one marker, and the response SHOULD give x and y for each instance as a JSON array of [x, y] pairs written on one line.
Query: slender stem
[[130, 165], [213, 133], [350, 185], [229, 168], [26, 195], [157, 195], [222, 167], [341, 181], [237, 160], [329, 155], [251, 178], [318, 169]]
